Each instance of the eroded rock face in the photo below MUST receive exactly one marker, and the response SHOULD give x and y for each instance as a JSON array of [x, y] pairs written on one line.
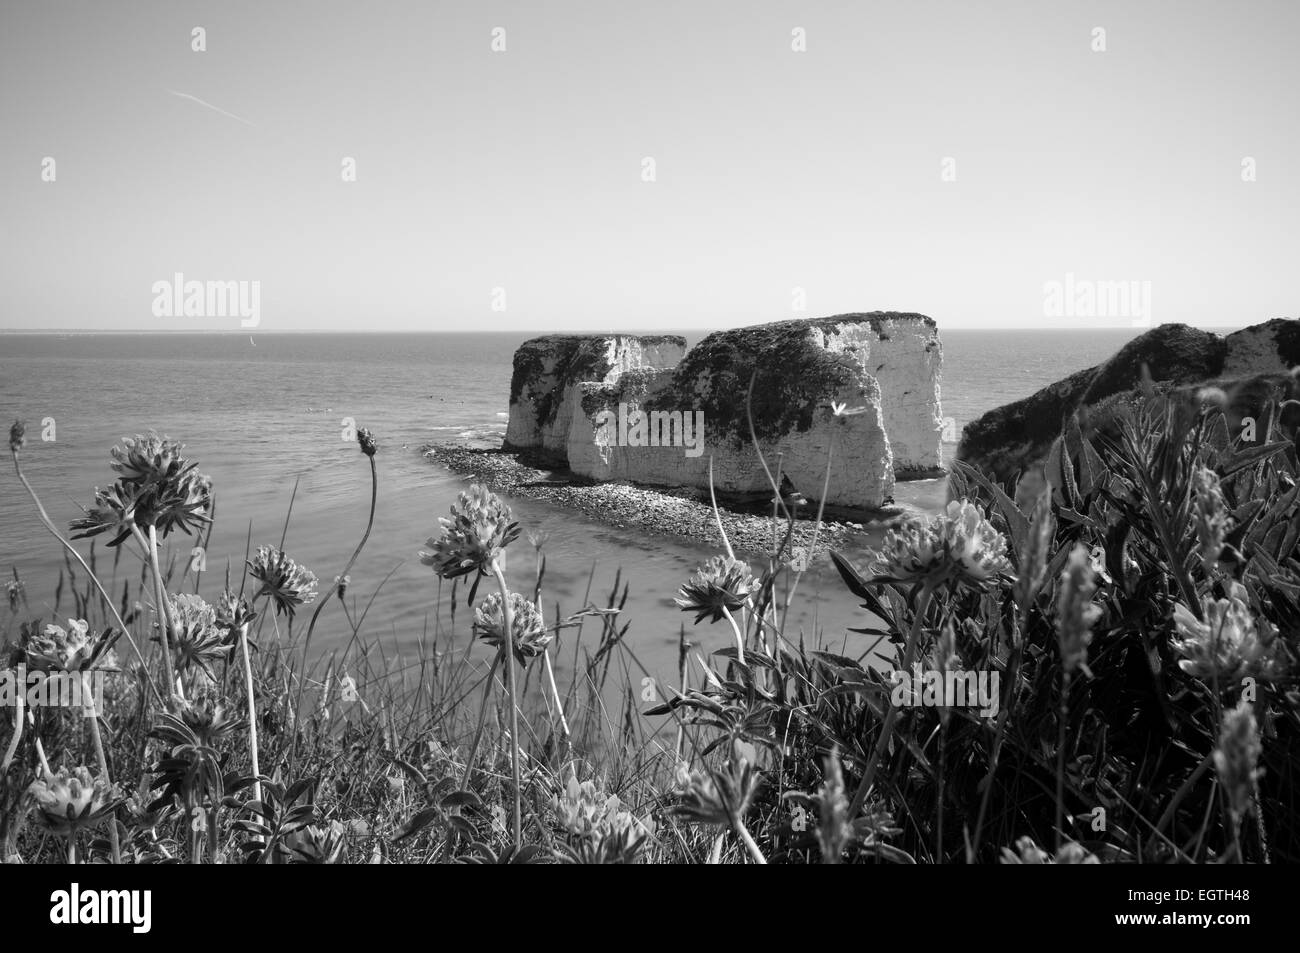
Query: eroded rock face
[[624, 408], [1015, 438], [678, 438], [548, 369]]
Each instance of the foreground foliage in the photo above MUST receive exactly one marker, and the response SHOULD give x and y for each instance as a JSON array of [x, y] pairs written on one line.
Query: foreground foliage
[[1138, 626]]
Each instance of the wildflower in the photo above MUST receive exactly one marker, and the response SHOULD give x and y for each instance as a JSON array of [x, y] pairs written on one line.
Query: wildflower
[[1212, 397], [17, 436], [582, 810], [719, 797], [367, 441], [579, 807], [476, 534], [1236, 759], [1075, 611], [1229, 645], [722, 585], [528, 627], [56, 649], [958, 545], [233, 612], [288, 584], [69, 800], [1027, 852], [148, 460], [169, 493], [204, 714], [196, 638], [599, 829], [113, 511], [1211, 515], [341, 584], [1033, 560]]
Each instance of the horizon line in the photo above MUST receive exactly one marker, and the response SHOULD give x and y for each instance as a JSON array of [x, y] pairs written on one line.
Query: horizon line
[[250, 332]]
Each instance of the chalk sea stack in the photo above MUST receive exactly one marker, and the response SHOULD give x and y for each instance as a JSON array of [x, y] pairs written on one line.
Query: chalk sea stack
[[621, 407], [547, 371], [1015, 438]]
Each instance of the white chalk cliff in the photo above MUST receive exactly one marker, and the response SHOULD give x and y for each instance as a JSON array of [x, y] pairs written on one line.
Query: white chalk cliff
[[859, 389]]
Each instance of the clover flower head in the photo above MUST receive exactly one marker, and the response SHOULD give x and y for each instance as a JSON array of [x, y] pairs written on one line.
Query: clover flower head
[[1230, 645], [196, 638], [288, 584], [598, 829], [71, 799], [17, 436], [113, 512], [582, 809], [1076, 613], [473, 537], [56, 649], [148, 459], [528, 627], [156, 487], [959, 545], [721, 585], [1236, 759], [233, 612], [205, 714], [718, 797]]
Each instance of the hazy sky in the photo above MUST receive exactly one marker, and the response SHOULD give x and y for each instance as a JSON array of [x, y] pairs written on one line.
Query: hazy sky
[[523, 169]]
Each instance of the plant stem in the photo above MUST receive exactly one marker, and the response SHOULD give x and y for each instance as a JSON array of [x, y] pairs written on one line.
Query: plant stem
[[887, 730], [555, 693], [164, 614], [740, 640], [252, 711], [743, 833], [311, 626], [98, 742], [36, 740], [508, 619]]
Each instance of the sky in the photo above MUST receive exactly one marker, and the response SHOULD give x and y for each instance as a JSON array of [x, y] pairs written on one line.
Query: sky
[[977, 162]]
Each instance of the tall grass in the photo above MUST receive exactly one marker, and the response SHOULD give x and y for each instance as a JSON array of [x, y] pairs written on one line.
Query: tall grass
[[1142, 619]]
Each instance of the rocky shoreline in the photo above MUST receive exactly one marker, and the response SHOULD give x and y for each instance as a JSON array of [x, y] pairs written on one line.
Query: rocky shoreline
[[678, 511]]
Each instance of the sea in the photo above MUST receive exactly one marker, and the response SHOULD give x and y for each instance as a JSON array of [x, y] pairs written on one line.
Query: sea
[[266, 418]]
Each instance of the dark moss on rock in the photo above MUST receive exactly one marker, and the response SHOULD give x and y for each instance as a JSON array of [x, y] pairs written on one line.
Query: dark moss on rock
[[792, 375], [1287, 336], [573, 358], [1009, 440], [1172, 352]]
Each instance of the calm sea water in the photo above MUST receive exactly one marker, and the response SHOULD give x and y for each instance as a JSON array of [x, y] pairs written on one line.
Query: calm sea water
[[260, 413]]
